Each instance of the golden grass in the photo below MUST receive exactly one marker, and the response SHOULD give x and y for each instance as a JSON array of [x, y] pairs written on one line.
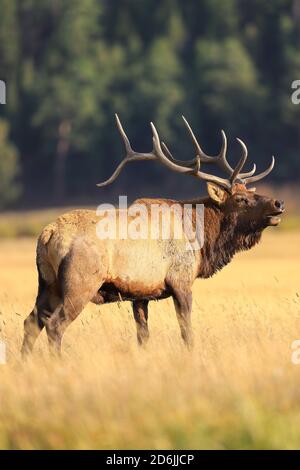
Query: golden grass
[[237, 389]]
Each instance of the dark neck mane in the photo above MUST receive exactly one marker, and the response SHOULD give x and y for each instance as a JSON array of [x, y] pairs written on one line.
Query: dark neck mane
[[222, 239]]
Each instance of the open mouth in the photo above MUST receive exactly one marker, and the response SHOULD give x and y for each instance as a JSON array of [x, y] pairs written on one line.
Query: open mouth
[[274, 219]]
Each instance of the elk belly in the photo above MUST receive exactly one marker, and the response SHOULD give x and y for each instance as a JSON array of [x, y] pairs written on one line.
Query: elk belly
[[130, 289]]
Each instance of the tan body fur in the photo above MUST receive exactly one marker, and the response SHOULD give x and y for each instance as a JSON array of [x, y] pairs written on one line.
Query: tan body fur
[[159, 261]]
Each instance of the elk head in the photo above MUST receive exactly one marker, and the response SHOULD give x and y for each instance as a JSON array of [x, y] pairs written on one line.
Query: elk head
[[252, 211]]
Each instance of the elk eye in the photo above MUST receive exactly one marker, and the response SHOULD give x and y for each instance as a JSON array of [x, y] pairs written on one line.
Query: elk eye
[[242, 199]]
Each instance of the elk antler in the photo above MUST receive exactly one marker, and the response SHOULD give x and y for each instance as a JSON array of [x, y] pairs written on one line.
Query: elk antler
[[191, 167], [255, 178], [220, 159]]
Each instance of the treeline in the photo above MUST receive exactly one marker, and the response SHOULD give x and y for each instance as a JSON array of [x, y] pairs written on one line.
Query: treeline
[[69, 65]]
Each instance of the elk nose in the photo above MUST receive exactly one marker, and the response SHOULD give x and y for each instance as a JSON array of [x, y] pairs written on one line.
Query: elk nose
[[279, 205]]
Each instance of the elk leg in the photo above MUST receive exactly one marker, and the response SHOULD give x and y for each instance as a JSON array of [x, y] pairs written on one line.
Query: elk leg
[[32, 328], [79, 279], [63, 316], [47, 299], [56, 325], [140, 312], [183, 307]]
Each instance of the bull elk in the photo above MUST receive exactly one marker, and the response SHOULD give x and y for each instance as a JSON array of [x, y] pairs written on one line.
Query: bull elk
[[76, 267]]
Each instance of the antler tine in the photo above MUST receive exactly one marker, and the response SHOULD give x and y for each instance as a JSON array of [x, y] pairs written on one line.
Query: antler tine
[[180, 168], [171, 163], [262, 175], [222, 161], [189, 163], [249, 173], [114, 175], [241, 163], [199, 150], [131, 155], [124, 137], [219, 159], [157, 150], [168, 152]]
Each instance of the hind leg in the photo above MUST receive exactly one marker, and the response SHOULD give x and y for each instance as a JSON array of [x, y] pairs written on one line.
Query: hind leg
[[56, 325], [32, 328], [64, 315], [47, 299], [79, 278]]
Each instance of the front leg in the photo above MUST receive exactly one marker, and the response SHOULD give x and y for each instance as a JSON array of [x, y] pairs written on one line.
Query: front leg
[[140, 312], [183, 306]]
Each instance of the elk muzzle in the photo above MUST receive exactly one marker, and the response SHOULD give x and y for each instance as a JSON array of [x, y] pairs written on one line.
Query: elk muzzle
[[274, 218]]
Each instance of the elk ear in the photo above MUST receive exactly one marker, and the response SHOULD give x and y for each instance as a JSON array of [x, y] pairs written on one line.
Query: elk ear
[[216, 193]]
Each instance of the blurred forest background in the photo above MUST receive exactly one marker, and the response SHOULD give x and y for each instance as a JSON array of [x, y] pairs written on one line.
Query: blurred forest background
[[69, 65]]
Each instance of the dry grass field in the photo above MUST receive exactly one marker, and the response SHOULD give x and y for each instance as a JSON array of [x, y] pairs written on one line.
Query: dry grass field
[[238, 389]]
